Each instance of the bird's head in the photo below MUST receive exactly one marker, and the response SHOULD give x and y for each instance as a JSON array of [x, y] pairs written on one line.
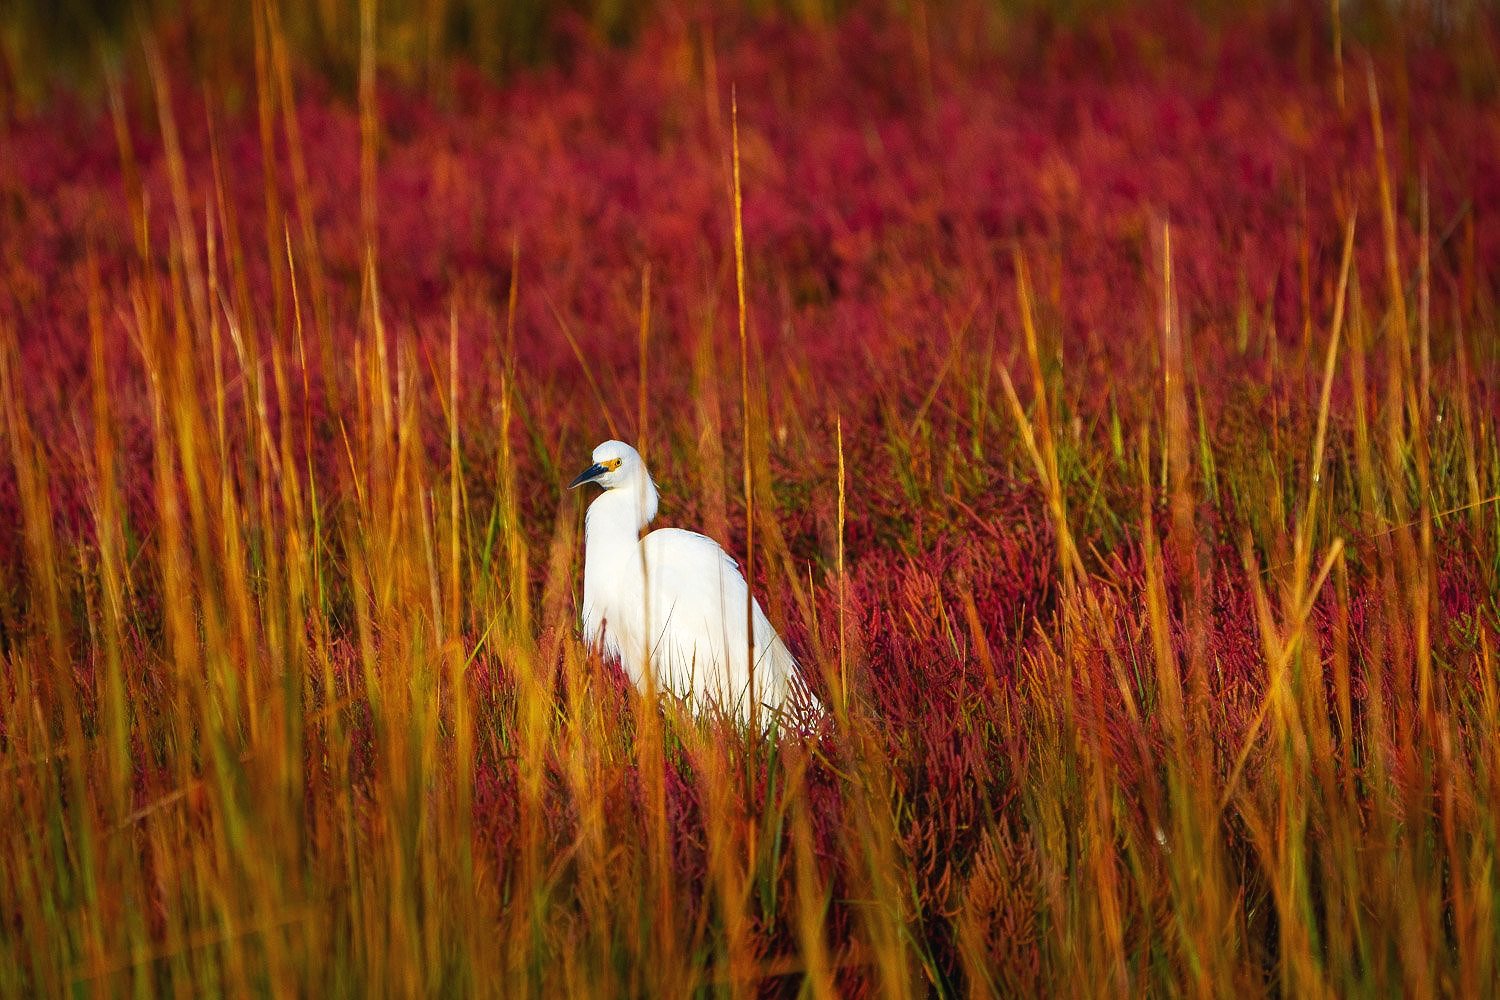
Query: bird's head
[[618, 465], [615, 464]]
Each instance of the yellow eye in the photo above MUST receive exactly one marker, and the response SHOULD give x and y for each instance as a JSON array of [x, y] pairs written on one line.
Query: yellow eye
[[611, 464]]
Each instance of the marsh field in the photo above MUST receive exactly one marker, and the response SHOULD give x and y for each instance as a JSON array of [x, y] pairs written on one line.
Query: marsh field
[[1101, 401]]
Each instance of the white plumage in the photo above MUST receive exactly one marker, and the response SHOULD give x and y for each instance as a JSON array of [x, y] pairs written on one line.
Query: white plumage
[[672, 602]]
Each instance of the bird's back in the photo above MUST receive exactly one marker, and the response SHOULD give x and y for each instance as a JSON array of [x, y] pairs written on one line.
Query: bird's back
[[696, 609]]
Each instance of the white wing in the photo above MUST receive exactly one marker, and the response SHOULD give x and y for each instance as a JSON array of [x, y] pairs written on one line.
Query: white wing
[[695, 609]]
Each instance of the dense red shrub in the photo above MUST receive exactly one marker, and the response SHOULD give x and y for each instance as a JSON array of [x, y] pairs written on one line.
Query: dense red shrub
[[889, 186]]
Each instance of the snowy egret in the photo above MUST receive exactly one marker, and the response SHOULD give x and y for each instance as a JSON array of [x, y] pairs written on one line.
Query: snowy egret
[[672, 602]]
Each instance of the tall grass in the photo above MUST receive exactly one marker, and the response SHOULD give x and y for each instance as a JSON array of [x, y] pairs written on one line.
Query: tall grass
[[1129, 692]]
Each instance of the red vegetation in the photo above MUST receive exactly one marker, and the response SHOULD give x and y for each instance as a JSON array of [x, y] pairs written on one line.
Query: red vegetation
[[892, 178]]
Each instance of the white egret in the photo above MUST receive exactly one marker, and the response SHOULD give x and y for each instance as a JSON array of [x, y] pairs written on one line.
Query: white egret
[[672, 602]]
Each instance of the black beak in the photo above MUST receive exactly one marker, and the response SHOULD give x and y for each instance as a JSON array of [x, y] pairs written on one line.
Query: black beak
[[588, 475]]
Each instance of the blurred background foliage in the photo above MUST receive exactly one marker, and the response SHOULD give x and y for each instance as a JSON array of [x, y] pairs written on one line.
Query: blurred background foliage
[[70, 45]]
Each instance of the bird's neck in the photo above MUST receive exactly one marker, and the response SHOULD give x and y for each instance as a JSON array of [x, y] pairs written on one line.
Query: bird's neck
[[614, 562], [617, 516]]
